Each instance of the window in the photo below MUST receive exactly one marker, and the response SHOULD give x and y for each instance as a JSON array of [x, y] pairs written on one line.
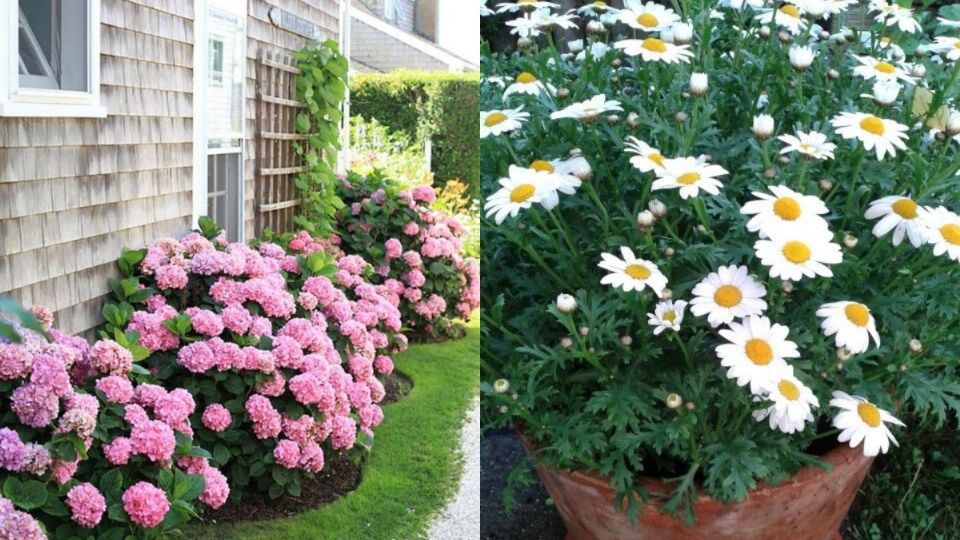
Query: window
[[216, 61], [52, 66], [391, 10]]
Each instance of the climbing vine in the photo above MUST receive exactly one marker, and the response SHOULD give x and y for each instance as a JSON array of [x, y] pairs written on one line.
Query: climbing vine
[[321, 86]]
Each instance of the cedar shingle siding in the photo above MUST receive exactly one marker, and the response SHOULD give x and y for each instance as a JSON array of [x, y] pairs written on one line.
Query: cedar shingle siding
[[74, 191]]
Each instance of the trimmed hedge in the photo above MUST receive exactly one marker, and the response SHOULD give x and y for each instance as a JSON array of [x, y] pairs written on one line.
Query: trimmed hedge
[[443, 107]]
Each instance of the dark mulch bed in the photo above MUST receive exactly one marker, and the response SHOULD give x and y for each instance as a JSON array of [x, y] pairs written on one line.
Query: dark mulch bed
[[340, 475], [533, 518]]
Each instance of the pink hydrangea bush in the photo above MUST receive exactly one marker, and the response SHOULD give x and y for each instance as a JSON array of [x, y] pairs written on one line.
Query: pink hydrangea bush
[[417, 252], [75, 431], [280, 353]]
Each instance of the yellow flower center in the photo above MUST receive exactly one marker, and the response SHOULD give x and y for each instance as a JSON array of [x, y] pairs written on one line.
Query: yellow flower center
[[869, 413], [670, 316], [905, 208], [872, 124], [796, 252], [522, 192], [600, 4], [494, 118], [759, 352], [655, 45], [637, 271], [858, 314], [688, 178], [648, 20], [540, 165], [951, 233], [525, 2], [956, 44], [884, 67], [885, 41], [526, 78], [656, 158], [788, 390], [786, 208], [790, 10], [727, 296]]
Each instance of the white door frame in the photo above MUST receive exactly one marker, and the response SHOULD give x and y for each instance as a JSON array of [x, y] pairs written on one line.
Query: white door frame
[[200, 74]]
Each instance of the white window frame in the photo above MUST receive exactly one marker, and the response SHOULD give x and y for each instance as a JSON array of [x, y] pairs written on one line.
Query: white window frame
[[39, 102]]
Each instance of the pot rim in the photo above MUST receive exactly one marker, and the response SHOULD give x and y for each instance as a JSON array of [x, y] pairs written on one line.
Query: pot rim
[[836, 457]]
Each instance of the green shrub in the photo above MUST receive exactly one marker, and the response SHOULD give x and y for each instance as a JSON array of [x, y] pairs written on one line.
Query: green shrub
[[443, 107]]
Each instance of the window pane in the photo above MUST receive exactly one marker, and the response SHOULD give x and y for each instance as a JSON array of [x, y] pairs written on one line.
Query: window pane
[[53, 44], [225, 58]]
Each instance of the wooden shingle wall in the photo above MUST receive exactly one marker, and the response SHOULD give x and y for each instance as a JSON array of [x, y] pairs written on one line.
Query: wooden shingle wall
[[263, 35], [74, 191]]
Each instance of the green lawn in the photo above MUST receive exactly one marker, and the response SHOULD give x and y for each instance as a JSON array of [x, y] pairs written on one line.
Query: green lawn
[[413, 468]]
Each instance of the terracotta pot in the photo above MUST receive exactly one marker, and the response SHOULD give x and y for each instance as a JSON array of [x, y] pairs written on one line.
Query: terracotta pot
[[809, 506]]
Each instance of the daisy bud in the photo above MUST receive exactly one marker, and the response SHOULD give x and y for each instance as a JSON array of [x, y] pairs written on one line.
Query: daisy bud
[[698, 84], [903, 367], [769, 174], [898, 55], [918, 70], [582, 170], [764, 31], [584, 330], [674, 401], [801, 57], [825, 184], [839, 367], [612, 119], [786, 287], [566, 343], [566, 57], [595, 27], [616, 63], [915, 345], [667, 294], [701, 229], [503, 409], [685, 94], [615, 79], [521, 226], [690, 406], [575, 45], [501, 386], [626, 341], [645, 219], [525, 43], [566, 303], [833, 74], [633, 120], [824, 35], [574, 152], [514, 396], [680, 117], [886, 92], [953, 123], [667, 35], [843, 354], [784, 160], [563, 92], [657, 208], [683, 33], [763, 126], [668, 251], [850, 241], [784, 37], [591, 350]]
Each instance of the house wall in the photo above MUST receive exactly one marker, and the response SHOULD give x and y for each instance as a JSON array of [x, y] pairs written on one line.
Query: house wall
[[74, 191], [380, 51]]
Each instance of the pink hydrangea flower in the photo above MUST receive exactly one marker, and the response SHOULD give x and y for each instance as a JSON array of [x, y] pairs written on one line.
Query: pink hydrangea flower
[[117, 451], [171, 277], [15, 361], [311, 457], [12, 450], [153, 439], [111, 358], [34, 405], [18, 525], [236, 318], [216, 417], [116, 389], [287, 454], [63, 471], [196, 357], [87, 505], [205, 322], [306, 388], [424, 194], [146, 504], [344, 432], [192, 464], [216, 490]]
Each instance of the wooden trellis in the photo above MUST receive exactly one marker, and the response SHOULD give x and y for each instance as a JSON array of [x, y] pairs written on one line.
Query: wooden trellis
[[277, 198]]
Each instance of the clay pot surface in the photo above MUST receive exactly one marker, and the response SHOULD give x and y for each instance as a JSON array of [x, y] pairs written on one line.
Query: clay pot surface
[[808, 506]]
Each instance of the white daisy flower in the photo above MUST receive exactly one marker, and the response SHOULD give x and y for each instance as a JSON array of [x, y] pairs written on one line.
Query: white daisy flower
[[942, 229], [817, 9], [530, 24], [652, 49], [501, 121], [729, 293], [647, 158], [801, 56], [895, 14], [513, 7], [784, 209], [740, 4], [496, 80], [527, 83], [863, 422], [811, 143], [597, 49], [787, 16], [484, 10], [900, 214], [667, 316], [757, 351], [874, 132], [871, 68], [689, 175], [649, 17], [948, 46], [794, 252], [884, 92], [596, 8], [853, 324], [631, 273], [948, 23], [519, 191], [588, 110], [792, 402], [559, 175]]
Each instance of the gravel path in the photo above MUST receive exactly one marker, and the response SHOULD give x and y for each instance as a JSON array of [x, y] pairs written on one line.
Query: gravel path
[[461, 518]]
